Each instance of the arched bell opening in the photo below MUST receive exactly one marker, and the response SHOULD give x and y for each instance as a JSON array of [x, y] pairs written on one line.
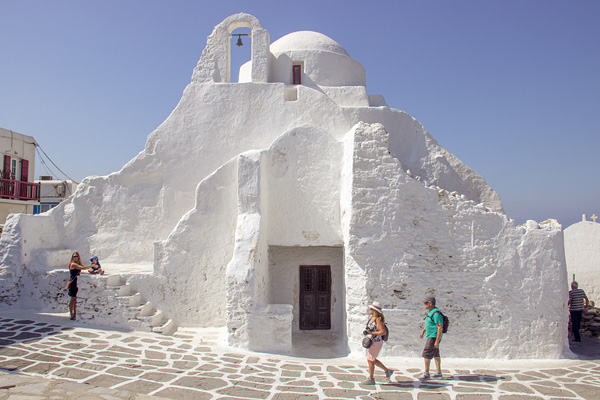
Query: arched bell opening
[[240, 52]]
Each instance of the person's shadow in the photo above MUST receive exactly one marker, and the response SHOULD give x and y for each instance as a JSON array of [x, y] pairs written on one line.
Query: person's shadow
[[446, 381]]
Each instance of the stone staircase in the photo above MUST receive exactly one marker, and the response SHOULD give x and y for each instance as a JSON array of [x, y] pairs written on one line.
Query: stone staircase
[[110, 300]]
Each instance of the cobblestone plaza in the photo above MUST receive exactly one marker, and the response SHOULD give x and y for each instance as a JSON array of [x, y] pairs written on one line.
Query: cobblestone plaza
[[52, 357]]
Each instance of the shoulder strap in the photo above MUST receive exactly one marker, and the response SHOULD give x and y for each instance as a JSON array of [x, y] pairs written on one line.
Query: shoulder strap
[[433, 313]]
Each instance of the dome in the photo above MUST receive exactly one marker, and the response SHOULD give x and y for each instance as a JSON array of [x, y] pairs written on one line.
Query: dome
[[307, 40]]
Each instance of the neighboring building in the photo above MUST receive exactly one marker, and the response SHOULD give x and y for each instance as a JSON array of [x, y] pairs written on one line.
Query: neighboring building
[[281, 206], [52, 192], [18, 192], [582, 252]]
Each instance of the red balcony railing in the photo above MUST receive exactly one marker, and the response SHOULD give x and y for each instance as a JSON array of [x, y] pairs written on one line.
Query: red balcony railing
[[19, 190]]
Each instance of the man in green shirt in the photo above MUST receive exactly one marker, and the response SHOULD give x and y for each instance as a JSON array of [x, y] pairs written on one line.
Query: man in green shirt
[[433, 331]]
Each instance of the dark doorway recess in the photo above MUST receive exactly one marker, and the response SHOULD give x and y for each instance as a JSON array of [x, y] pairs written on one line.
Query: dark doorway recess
[[315, 297]]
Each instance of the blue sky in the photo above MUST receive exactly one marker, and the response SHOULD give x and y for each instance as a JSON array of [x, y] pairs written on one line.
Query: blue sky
[[510, 87]]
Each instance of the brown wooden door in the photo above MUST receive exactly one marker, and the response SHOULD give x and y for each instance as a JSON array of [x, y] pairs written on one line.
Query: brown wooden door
[[315, 297]]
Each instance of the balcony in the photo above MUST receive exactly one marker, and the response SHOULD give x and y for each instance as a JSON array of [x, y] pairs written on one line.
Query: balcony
[[19, 190]]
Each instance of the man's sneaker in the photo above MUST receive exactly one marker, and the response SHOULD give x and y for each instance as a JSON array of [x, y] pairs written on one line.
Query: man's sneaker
[[424, 376], [388, 374], [437, 375], [369, 382]]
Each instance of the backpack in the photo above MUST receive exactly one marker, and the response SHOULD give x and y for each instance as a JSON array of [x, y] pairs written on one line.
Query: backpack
[[445, 323]]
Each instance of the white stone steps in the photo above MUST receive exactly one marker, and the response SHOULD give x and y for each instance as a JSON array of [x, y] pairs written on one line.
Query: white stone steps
[[169, 328], [127, 303]]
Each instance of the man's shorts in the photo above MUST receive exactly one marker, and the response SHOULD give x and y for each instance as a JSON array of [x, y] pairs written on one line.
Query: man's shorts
[[430, 351]]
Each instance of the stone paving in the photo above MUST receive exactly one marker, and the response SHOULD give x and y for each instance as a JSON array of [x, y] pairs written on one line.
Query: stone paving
[[57, 359]]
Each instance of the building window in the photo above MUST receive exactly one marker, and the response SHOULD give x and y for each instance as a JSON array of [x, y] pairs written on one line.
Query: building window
[[297, 74], [13, 170]]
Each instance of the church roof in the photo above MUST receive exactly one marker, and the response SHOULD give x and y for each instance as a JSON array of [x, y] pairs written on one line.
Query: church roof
[[307, 40]]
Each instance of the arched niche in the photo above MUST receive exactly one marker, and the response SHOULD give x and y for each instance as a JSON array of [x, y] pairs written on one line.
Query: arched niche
[[215, 63]]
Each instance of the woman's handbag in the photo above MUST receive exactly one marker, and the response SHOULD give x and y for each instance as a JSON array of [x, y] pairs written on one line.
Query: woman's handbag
[[367, 342]]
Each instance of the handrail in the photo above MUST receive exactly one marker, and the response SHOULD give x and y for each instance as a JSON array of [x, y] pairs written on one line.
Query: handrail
[[19, 190]]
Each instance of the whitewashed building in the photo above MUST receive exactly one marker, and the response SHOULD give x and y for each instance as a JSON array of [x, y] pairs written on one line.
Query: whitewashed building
[[287, 202], [582, 251], [18, 192], [52, 192]]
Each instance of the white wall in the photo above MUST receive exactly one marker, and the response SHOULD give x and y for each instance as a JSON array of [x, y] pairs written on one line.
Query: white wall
[[408, 240], [582, 250]]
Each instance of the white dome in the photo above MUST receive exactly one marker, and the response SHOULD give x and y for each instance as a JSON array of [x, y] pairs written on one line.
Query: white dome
[[307, 40]]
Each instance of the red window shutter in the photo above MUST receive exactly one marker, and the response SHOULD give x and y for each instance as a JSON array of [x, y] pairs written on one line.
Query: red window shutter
[[6, 170], [24, 170]]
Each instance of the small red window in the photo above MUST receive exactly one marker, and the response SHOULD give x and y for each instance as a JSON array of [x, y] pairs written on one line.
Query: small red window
[[297, 74]]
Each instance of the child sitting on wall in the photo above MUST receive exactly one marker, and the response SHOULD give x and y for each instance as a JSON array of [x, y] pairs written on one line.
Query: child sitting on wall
[[96, 267]]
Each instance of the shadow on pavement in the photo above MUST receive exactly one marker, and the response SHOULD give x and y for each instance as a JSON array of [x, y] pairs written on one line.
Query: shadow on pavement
[[587, 349]]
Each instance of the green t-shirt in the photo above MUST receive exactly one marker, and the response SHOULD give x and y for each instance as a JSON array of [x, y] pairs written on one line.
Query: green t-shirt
[[430, 324]]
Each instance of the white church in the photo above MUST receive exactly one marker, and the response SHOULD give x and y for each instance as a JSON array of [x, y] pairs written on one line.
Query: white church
[[278, 207]]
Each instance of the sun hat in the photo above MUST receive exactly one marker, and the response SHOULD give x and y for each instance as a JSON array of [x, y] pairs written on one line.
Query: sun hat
[[376, 306], [429, 299]]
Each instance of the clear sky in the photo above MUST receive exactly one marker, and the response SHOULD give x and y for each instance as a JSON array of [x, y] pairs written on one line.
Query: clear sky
[[511, 87]]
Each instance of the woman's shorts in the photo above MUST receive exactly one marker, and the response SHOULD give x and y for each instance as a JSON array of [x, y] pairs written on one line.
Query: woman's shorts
[[374, 350], [430, 351]]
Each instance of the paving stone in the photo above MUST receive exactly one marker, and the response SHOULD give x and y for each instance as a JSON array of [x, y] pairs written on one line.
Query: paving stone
[[515, 388], [158, 376], [87, 334], [551, 391], [15, 364], [464, 389], [141, 386], [203, 383], [299, 389], [43, 357], [344, 393], [588, 392], [105, 380], [120, 371], [348, 377], [519, 397], [41, 368], [243, 392], [183, 394], [74, 346], [391, 396], [154, 355], [260, 379], [433, 396], [463, 396], [156, 363], [72, 373], [185, 365], [12, 352], [294, 396], [293, 367]]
